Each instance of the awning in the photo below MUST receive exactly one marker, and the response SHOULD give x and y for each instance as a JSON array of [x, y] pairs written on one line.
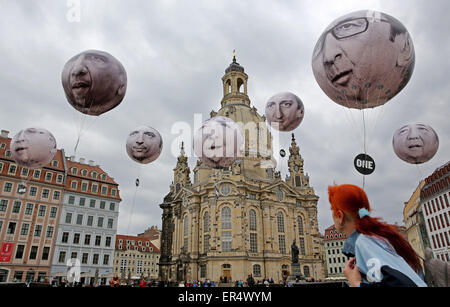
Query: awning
[[58, 274]]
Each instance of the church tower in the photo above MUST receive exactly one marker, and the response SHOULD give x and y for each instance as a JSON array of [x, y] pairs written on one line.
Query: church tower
[[297, 177], [181, 172]]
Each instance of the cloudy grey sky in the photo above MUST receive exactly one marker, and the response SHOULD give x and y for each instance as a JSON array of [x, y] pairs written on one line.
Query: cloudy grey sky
[[175, 54]]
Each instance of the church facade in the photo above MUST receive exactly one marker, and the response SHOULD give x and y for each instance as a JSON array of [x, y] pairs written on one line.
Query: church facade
[[229, 223]]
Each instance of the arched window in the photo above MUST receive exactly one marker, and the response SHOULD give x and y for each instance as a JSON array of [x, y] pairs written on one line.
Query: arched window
[[240, 82], [226, 218], [306, 271], [252, 216], [300, 225], [280, 221], [256, 270], [206, 227], [186, 226], [84, 172], [228, 86]]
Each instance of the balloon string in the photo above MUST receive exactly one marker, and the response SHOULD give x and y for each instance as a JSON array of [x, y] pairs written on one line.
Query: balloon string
[[134, 198]]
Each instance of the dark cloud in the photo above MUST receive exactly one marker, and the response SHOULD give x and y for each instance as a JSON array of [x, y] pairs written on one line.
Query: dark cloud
[[175, 53]]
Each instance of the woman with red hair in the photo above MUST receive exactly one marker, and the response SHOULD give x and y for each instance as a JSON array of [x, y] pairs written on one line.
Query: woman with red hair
[[379, 255]]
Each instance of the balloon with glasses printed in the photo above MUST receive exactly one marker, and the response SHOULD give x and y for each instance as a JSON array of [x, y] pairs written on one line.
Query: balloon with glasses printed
[[363, 59]]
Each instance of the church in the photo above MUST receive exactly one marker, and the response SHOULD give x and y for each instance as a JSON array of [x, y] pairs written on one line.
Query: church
[[232, 222]]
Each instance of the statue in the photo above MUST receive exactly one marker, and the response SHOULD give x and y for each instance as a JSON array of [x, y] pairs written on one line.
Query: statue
[[294, 252]]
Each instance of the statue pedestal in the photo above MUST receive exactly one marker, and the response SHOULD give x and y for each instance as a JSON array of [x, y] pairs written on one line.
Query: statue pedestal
[[295, 271]]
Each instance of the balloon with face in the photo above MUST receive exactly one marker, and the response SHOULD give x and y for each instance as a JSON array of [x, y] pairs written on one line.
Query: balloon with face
[[363, 59], [218, 142], [94, 82], [33, 147], [144, 144], [415, 143], [284, 111]]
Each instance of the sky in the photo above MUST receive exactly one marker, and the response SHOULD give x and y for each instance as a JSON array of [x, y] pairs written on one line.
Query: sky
[[175, 54]]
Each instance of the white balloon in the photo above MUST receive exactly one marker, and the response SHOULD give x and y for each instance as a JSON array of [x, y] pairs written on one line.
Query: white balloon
[[33, 147]]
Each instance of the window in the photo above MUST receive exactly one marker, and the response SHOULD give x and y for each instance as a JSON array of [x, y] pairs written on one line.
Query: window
[[206, 226], [297, 181], [16, 207], [80, 219], [82, 201], [84, 186], [53, 212], [33, 191], [300, 225], [94, 175], [123, 265], [12, 169], [84, 173], [104, 190], [226, 218], [108, 242], [110, 223], [41, 210], [202, 270], [112, 206], [92, 203], [302, 246], [74, 170], [84, 258], [8, 187], [19, 251], [280, 222], [102, 204], [56, 195], [95, 259], [87, 239], [206, 243], [45, 252], [282, 244], [65, 237], [59, 178], [21, 189], [62, 257], [24, 230], [256, 270], [106, 260], [68, 218], [45, 193], [49, 231], [3, 205], [37, 174], [98, 240], [113, 192], [55, 163], [74, 255], [90, 220], [252, 215], [71, 200], [11, 228], [73, 185], [100, 222], [33, 252], [37, 230], [226, 241], [48, 176], [253, 242], [306, 271], [186, 226], [76, 238]]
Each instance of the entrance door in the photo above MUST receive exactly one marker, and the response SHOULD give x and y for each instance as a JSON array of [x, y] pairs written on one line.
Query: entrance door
[[226, 275], [3, 275]]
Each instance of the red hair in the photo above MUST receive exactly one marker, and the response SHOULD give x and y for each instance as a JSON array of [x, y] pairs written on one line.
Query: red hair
[[349, 199]]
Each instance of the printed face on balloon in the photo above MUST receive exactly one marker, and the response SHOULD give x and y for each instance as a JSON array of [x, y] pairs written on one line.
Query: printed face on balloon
[[33, 147], [284, 111], [415, 143], [363, 59], [94, 82], [218, 142], [144, 144]]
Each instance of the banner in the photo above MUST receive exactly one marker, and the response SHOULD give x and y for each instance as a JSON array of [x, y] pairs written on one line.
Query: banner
[[6, 251]]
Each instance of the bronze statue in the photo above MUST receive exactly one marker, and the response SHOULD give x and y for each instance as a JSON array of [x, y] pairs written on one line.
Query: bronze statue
[[294, 252], [94, 82]]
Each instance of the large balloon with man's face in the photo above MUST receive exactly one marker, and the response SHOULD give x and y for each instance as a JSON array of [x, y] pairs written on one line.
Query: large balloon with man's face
[[415, 143], [284, 111], [94, 82], [144, 144], [33, 147], [363, 59], [218, 142]]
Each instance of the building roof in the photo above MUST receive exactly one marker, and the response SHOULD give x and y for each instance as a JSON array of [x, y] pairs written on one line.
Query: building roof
[[331, 234], [142, 248]]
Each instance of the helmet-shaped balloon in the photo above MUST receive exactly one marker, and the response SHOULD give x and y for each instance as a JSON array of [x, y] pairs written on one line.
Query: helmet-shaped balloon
[[363, 59], [94, 82], [218, 142], [144, 144], [284, 111], [415, 143], [33, 147]]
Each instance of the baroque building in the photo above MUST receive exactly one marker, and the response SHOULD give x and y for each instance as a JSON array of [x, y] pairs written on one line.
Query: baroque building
[[243, 219]]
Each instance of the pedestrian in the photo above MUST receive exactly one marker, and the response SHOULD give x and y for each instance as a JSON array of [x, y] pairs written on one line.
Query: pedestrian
[[377, 250], [143, 283], [250, 281]]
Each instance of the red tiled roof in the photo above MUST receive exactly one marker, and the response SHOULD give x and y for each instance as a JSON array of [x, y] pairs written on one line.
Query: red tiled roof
[[136, 239], [331, 234]]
